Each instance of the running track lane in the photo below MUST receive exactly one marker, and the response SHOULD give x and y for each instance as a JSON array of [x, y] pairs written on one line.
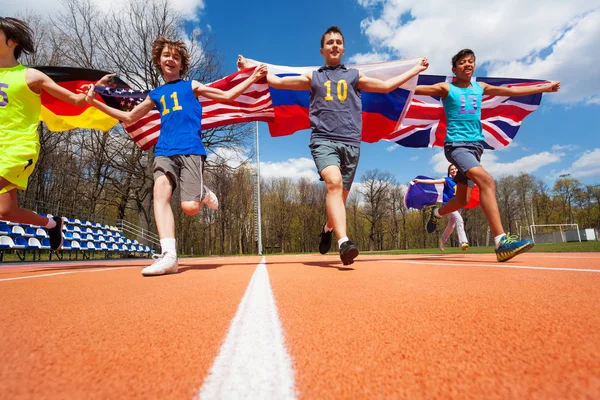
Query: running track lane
[[390, 329], [115, 334]]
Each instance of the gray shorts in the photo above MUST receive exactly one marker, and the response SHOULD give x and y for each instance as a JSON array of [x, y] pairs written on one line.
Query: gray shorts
[[184, 169], [326, 153], [464, 156]]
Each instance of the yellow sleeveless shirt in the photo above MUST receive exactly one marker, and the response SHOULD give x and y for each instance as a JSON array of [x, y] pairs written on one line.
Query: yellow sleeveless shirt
[[19, 108]]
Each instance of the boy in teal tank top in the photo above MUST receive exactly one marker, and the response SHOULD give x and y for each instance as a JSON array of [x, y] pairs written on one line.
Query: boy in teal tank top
[[463, 146], [20, 105]]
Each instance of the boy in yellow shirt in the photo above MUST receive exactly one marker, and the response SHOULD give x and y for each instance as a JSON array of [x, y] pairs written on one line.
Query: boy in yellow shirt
[[20, 105]]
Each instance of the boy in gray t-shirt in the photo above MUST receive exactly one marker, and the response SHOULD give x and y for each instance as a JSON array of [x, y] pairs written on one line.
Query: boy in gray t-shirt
[[336, 123]]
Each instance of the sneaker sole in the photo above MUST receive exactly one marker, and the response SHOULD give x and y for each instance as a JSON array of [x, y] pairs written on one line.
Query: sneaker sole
[[348, 258], [174, 271], [516, 252]]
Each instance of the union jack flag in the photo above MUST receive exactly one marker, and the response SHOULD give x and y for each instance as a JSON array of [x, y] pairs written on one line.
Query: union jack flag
[[252, 105], [424, 124]]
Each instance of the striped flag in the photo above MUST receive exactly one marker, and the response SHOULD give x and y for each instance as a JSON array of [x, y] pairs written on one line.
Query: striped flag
[[381, 113], [425, 122], [253, 105]]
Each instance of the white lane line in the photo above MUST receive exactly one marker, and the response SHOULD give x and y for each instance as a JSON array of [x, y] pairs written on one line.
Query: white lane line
[[492, 266], [253, 362], [61, 273]]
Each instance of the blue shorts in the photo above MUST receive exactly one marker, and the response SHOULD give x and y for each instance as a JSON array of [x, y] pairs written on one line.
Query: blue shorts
[[464, 156]]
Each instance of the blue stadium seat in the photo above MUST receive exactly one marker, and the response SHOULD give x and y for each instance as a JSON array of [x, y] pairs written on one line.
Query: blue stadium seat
[[46, 244], [5, 230], [20, 243], [66, 244], [29, 232]]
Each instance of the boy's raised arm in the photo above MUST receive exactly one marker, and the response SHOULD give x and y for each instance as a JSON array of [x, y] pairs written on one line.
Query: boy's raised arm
[[519, 90], [231, 94], [298, 82], [126, 116], [378, 86], [439, 89]]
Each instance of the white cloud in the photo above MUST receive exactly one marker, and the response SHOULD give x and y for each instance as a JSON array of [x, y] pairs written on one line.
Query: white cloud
[[586, 165], [392, 148], [556, 40], [367, 58], [233, 157], [293, 168], [566, 147], [490, 161]]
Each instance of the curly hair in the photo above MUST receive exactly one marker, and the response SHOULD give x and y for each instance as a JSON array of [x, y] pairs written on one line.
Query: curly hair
[[178, 45], [19, 32]]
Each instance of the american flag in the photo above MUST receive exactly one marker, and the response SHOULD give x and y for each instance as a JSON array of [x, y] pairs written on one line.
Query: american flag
[[424, 124], [252, 105]]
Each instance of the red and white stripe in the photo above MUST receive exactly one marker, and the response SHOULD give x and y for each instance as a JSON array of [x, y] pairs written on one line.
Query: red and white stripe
[[253, 105]]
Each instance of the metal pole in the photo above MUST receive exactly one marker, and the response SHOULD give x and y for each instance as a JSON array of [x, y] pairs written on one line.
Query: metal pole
[[258, 219]]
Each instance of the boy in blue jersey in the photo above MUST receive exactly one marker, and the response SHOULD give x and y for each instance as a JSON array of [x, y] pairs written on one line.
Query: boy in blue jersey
[[336, 122], [455, 219], [179, 153], [463, 146]]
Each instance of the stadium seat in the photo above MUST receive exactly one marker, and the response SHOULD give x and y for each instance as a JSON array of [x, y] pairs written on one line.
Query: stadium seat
[[41, 233], [29, 232], [46, 244], [33, 243], [20, 243], [5, 230], [76, 236], [75, 245], [18, 231], [6, 242], [66, 244]]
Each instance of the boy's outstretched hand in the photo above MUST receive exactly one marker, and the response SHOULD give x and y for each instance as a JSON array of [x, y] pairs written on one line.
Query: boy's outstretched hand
[[259, 72], [423, 65], [553, 87]]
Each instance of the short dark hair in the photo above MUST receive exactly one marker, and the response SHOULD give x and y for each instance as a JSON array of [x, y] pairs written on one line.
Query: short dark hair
[[461, 54], [331, 29], [19, 32]]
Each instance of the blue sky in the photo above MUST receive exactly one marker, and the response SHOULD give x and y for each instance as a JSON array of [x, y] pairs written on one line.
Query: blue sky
[[510, 38]]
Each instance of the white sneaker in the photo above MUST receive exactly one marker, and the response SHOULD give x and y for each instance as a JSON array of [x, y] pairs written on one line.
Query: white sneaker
[[441, 245], [210, 199], [166, 263]]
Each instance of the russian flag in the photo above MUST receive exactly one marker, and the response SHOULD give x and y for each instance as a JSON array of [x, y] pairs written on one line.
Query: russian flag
[[381, 113]]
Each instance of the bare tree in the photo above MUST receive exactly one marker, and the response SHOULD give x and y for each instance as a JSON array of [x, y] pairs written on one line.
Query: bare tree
[[376, 192]]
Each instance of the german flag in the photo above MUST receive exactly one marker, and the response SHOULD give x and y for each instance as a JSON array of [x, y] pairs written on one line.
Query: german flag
[[60, 116]]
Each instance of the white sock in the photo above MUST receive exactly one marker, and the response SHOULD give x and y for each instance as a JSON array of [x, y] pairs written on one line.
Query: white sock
[[51, 223], [498, 238], [168, 245], [342, 240], [327, 229], [436, 212]]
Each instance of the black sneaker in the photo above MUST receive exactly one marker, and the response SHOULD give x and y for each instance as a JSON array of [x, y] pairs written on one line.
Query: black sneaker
[[55, 234], [325, 242], [433, 220], [348, 252]]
